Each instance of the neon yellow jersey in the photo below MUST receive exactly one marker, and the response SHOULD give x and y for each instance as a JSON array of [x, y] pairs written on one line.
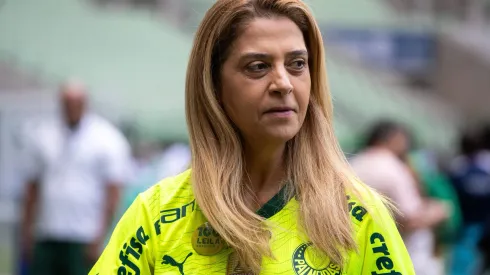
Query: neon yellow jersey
[[162, 233]]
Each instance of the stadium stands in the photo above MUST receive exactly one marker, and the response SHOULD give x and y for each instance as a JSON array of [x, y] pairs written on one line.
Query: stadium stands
[[463, 43], [359, 98], [135, 64]]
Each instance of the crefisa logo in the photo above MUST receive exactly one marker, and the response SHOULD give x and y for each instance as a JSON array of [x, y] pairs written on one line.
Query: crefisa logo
[[306, 262]]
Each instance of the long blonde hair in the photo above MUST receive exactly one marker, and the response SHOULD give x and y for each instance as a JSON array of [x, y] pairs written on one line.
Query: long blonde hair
[[315, 164]]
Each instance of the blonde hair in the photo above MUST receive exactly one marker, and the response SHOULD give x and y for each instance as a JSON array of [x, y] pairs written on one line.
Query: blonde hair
[[315, 164]]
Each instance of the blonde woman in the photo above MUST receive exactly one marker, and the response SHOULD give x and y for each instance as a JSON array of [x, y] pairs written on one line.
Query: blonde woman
[[269, 192]]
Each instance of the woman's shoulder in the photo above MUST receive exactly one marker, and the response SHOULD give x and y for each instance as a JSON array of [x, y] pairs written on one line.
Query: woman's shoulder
[[171, 190], [365, 205], [376, 234]]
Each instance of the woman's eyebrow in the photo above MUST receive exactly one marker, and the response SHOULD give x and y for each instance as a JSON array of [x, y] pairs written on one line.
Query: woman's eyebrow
[[266, 56], [255, 55], [296, 53]]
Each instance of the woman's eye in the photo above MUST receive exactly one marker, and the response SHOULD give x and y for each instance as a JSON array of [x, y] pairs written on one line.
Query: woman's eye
[[298, 64], [257, 67]]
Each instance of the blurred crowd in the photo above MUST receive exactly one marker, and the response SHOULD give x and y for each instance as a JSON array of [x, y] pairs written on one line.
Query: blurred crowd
[[440, 202], [82, 174]]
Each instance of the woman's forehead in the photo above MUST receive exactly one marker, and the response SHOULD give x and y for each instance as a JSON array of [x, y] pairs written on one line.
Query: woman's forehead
[[270, 35]]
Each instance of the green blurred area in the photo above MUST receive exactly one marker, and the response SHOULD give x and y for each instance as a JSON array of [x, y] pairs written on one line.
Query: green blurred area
[[135, 64], [6, 249]]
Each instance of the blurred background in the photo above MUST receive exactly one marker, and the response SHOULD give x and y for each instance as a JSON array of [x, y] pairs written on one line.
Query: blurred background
[[424, 64]]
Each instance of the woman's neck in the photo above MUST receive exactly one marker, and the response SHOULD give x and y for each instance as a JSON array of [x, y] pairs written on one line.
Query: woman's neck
[[265, 169]]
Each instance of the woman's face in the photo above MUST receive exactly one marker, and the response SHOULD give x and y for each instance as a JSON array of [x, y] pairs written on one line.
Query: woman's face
[[265, 81], [399, 143]]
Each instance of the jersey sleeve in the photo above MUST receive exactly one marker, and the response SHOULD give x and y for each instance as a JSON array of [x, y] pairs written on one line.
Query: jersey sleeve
[[132, 245], [380, 247]]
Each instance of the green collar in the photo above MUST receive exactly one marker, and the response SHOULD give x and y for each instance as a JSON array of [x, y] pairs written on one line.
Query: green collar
[[274, 205]]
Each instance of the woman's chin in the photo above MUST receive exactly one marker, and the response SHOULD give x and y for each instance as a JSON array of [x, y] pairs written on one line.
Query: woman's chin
[[281, 134]]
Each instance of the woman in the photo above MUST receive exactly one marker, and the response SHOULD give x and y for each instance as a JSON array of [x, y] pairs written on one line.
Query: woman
[[269, 191], [384, 165]]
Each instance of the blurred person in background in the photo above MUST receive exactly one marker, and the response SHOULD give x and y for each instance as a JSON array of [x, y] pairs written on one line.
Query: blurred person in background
[[427, 168], [470, 174], [382, 164], [76, 167]]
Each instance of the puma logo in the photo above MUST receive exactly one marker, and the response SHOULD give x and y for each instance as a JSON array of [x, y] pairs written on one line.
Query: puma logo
[[170, 261]]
